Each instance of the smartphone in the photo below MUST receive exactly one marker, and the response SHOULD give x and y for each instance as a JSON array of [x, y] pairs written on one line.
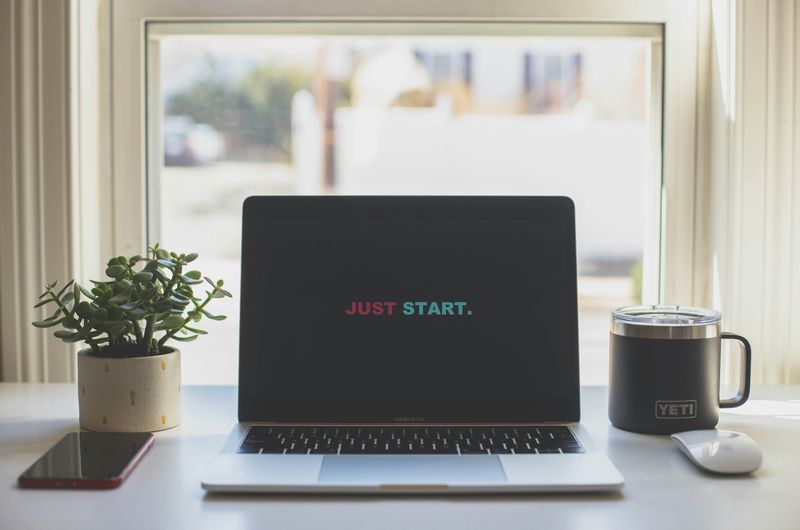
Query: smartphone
[[88, 460]]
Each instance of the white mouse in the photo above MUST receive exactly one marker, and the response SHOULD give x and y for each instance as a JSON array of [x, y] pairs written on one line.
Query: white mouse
[[720, 451]]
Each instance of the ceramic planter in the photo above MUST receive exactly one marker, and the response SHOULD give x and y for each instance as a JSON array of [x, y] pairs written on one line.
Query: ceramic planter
[[134, 394]]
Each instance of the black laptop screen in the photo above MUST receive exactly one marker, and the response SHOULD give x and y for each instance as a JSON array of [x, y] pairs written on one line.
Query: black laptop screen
[[408, 309]]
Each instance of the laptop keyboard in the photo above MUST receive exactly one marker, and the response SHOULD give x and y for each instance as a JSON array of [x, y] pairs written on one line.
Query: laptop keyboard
[[414, 440]]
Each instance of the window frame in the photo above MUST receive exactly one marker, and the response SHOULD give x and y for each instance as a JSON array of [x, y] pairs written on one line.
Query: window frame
[[672, 268]]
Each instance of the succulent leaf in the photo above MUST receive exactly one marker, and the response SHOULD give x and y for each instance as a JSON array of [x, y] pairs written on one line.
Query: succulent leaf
[[190, 338], [47, 323], [115, 271], [44, 302], [213, 317]]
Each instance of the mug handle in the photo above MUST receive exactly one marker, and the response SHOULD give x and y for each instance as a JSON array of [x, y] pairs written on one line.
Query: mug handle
[[744, 373]]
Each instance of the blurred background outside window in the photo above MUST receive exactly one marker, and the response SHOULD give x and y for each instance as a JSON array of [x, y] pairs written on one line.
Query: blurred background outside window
[[405, 115]]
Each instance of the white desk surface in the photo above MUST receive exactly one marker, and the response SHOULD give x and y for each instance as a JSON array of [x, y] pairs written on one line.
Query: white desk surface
[[663, 490]]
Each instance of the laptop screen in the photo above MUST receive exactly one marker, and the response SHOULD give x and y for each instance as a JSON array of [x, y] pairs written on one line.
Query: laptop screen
[[408, 309]]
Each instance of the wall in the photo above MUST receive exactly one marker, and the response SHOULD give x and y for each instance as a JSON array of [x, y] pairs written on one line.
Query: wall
[[601, 164]]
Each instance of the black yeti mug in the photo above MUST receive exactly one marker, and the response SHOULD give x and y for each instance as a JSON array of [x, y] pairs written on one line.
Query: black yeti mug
[[664, 372]]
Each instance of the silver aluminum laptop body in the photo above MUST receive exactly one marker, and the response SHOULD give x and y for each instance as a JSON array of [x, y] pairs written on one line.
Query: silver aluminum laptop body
[[392, 474], [261, 405]]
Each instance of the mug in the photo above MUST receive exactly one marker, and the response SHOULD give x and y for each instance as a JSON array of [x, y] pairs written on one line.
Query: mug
[[664, 374]]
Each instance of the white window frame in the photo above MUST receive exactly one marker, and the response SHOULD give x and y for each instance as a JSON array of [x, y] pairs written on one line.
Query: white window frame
[[677, 258]]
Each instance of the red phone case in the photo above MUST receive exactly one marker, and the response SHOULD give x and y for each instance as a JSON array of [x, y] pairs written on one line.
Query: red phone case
[[87, 484]]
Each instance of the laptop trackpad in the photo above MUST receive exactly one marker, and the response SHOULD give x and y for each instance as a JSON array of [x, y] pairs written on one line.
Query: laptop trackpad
[[416, 469]]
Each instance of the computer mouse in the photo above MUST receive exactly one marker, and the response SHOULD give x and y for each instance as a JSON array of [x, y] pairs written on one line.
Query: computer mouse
[[720, 451]]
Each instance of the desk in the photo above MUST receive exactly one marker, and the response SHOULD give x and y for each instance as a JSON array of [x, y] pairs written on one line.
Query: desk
[[663, 490]]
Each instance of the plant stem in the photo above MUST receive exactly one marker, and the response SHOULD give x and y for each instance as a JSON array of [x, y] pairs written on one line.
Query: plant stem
[[137, 331], [172, 281], [148, 333], [167, 293]]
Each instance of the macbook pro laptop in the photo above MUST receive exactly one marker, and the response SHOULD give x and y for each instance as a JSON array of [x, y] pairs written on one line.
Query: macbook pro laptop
[[409, 345]]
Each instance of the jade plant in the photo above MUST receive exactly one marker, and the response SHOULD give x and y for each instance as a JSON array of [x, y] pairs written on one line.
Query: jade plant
[[147, 302]]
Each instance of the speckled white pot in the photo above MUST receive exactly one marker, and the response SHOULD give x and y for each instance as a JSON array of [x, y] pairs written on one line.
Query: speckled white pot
[[134, 394]]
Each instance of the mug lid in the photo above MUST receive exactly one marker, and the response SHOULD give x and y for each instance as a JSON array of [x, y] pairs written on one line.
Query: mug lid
[[666, 315]]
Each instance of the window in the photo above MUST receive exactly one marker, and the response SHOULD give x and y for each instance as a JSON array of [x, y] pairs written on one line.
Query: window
[[243, 109]]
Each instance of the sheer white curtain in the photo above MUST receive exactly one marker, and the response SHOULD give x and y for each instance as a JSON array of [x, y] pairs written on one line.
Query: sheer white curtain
[[36, 240], [754, 211]]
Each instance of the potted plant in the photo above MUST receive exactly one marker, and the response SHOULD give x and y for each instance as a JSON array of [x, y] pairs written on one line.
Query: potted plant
[[129, 375]]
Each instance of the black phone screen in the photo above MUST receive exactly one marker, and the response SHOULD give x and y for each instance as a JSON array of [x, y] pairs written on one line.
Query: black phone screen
[[88, 456]]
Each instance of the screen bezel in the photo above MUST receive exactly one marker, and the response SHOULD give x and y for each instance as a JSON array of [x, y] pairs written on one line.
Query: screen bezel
[[258, 210]]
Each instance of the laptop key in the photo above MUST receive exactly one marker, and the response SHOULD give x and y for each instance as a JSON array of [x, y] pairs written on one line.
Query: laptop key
[[410, 440]]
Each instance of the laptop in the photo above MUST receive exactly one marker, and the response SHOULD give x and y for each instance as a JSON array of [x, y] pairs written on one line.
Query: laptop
[[409, 345]]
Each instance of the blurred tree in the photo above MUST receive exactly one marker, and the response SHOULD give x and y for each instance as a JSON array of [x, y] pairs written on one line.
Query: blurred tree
[[268, 91], [254, 112], [636, 277]]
